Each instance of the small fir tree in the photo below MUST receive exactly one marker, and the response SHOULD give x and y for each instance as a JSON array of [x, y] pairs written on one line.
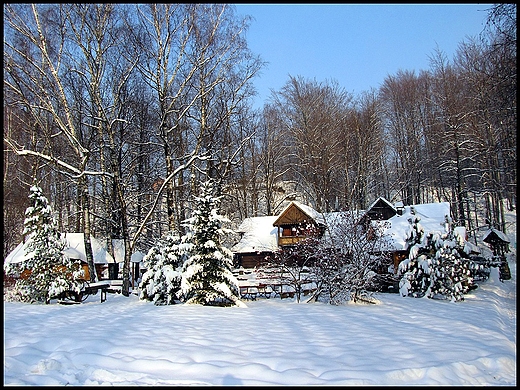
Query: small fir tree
[[414, 281], [46, 273], [207, 277], [450, 268], [438, 266], [161, 283]]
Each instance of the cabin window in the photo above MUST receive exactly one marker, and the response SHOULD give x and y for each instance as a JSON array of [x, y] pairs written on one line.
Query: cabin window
[[288, 232]]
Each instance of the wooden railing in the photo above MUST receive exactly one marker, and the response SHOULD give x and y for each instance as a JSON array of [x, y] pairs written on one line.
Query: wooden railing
[[289, 240]]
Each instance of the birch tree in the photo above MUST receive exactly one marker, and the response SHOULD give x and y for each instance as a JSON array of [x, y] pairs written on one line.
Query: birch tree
[[34, 76]]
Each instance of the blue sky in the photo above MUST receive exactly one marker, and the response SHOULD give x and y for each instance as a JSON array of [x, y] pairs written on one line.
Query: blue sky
[[357, 45]]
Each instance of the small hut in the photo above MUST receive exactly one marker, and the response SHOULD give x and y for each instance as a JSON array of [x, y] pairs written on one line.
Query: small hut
[[499, 243]]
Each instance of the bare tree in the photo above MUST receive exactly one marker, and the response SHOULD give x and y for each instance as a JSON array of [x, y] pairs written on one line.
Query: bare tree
[[224, 70], [34, 76], [350, 252], [162, 36], [403, 100], [275, 159], [313, 115], [364, 153]]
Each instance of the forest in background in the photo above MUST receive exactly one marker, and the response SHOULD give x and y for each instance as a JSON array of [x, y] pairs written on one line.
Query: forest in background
[[119, 112]]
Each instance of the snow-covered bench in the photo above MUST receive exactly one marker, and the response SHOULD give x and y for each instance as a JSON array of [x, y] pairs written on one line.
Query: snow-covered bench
[[89, 288]]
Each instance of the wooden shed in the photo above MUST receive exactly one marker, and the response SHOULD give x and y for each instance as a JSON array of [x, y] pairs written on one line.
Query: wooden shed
[[497, 241]]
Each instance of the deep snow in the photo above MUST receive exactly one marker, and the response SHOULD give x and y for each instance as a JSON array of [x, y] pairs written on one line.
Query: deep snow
[[401, 341]]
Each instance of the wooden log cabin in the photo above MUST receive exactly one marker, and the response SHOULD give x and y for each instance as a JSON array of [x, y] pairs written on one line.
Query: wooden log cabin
[[261, 236], [297, 222], [106, 265]]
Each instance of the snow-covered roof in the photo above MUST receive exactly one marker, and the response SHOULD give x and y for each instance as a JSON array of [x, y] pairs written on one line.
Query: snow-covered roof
[[17, 255], [318, 217], [384, 201], [309, 211], [119, 252], [259, 235], [432, 219], [499, 234], [75, 249]]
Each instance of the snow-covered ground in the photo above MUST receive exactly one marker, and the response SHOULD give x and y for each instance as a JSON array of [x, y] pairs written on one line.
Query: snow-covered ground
[[401, 341]]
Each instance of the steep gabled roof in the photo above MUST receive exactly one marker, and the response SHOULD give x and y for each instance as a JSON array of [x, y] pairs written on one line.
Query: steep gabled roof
[[296, 212], [381, 201], [380, 209], [492, 234]]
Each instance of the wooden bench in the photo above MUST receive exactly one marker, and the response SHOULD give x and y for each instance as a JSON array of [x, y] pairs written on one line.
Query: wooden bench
[[94, 287], [248, 292], [72, 297]]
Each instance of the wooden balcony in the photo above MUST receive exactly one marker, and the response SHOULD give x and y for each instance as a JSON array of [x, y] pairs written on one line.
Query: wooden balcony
[[289, 240]]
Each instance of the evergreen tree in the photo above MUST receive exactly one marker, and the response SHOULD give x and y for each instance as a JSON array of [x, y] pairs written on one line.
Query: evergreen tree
[[207, 275], [414, 281], [47, 272], [161, 282], [438, 266], [450, 268]]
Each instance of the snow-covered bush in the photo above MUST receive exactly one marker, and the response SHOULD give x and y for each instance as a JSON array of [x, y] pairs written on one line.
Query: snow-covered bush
[[345, 259], [161, 283]]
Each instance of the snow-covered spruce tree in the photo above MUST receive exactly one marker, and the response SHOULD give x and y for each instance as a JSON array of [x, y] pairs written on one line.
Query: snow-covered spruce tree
[[207, 277], [414, 281], [161, 283], [438, 266], [450, 269], [47, 272]]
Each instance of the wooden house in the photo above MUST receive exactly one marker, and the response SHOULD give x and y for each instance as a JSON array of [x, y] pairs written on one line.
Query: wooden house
[[382, 210], [107, 266], [297, 222], [261, 236]]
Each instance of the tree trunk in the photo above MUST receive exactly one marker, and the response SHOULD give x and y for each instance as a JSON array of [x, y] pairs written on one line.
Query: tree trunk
[[82, 187]]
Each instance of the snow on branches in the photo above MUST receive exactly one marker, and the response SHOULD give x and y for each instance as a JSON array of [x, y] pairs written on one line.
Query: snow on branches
[[194, 267], [438, 265], [161, 283], [47, 272], [207, 274]]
